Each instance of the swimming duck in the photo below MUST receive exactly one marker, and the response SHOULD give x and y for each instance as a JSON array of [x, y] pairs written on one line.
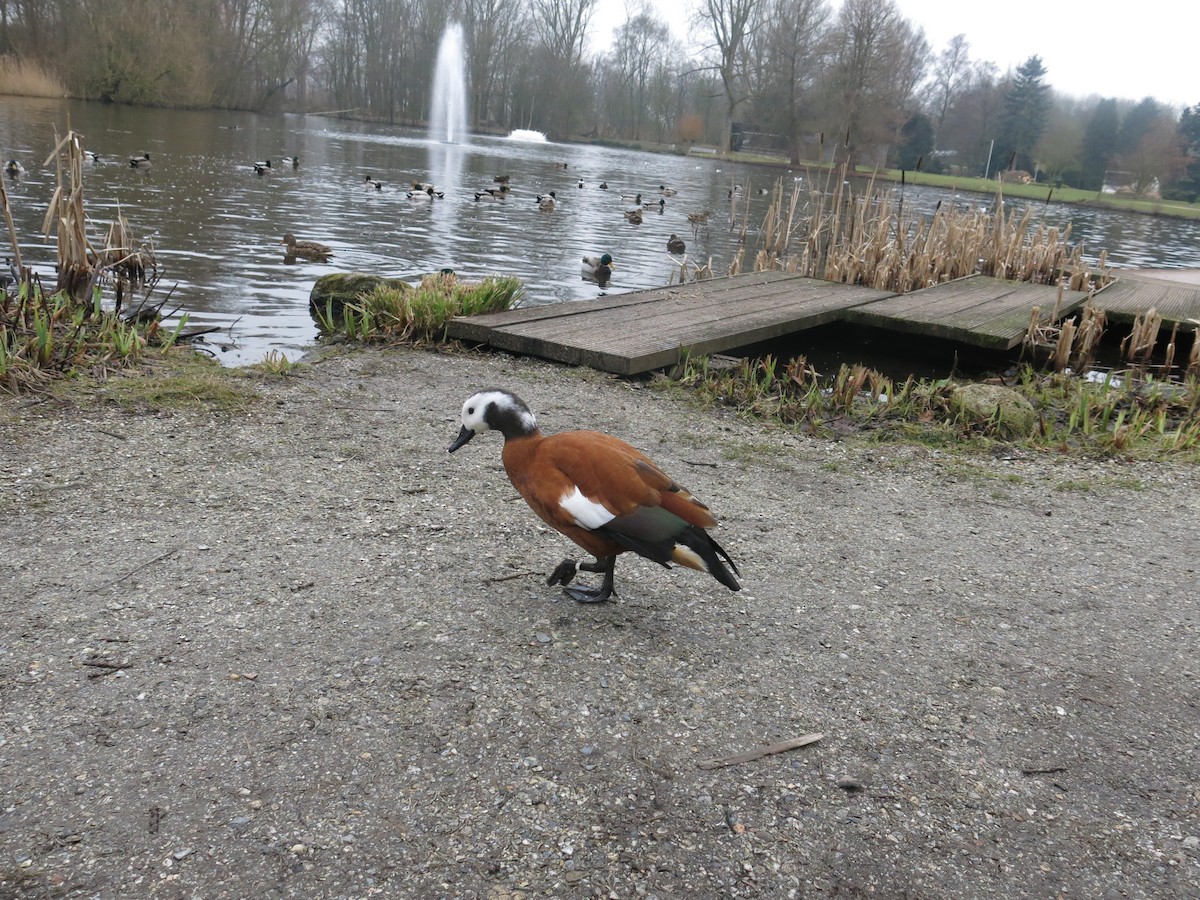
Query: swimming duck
[[91, 156], [634, 216], [546, 201], [661, 205], [633, 198], [13, 168], [293, 161], [426, 193], [598, 267], [371, 184], [599, 491], [666, 191], [676, 245], [603, 185], [140, 162], [309, 250], [262, 167], [580, 185]]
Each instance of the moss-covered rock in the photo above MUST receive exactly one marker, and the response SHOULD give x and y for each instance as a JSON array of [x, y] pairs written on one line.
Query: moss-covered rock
[[331, 293], [1008, 412]]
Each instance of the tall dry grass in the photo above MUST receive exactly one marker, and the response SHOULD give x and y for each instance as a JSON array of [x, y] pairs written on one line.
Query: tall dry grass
[[26, 78]]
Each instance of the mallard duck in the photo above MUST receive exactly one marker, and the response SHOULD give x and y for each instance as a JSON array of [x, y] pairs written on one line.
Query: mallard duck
[[676, 245], [660, 205], [293, 161], [633, 198], [140, 162], [371, 184], [547, 201], [488, 195], [426, 193], [561, 165], [634, 216], [598, 267], [310, 250], [262, 167], [90, 156], [13, 168], [700, 218], [666, 191], [603, 185]]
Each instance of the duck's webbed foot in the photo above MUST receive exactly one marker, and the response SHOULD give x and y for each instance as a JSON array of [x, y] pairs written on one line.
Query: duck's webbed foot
[[591, 595]]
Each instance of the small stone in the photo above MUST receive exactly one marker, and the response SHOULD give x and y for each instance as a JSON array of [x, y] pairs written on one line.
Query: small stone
[[1191, 842], [848, 783], [574, 876], [543, 638]]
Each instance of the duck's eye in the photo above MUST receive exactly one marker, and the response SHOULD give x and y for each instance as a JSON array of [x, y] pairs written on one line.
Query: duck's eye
[[470, 410]]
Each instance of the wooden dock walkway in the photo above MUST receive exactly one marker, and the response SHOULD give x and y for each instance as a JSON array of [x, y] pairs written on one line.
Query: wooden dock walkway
[[976, 310], [1132, 295], [628, 334], [633, 333]]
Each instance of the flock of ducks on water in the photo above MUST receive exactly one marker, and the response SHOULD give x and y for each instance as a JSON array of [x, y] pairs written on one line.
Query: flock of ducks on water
[[597, 267]]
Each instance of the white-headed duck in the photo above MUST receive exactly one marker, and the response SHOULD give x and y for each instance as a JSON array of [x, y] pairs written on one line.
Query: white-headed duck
[[309, 250], [602, 493]]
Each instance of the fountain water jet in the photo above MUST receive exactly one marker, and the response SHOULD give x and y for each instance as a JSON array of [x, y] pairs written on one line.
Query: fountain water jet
[[448, 106]]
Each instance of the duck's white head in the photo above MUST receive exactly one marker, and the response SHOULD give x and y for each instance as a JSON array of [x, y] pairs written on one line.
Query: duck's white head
[[495, 409]]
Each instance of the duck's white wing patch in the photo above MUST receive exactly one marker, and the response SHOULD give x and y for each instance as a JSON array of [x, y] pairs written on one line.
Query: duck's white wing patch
[[586, 513]]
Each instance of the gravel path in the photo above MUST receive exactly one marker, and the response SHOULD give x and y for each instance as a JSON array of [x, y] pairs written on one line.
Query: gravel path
[[304, 652]]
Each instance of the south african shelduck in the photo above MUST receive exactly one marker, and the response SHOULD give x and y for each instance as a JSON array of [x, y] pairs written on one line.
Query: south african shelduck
[[599, 491]]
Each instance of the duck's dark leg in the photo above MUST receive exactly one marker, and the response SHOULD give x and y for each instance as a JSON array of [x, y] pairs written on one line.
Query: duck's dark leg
[[603, 564]]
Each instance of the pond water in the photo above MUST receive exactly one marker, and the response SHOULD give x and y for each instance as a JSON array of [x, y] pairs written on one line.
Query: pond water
[[216, 226]]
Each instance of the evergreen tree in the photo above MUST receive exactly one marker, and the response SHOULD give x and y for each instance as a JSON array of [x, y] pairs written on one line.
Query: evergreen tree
[[1138, 123], [1099, 145], [1026, 107], [1189, 130], [916, 142]]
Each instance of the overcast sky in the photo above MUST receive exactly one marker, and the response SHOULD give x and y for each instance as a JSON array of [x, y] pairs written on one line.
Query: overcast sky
[[1129, 50]]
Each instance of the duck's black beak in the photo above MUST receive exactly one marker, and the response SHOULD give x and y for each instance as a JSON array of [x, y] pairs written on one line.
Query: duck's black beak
[[464, 434]]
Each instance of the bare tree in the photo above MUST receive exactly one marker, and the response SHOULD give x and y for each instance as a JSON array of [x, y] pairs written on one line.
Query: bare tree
[[561, 90], [952, 72], [791, 50], [638, 43], [729, 23], [877, 60]]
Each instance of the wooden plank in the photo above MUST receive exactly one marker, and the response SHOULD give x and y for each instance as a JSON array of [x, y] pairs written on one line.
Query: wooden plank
[[1133, 295], [978, 311], [635, 333]]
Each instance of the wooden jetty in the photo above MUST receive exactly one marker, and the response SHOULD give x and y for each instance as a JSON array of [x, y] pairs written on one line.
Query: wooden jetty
[[1178, 302], [637, 332], [628, 334], [976, 310]]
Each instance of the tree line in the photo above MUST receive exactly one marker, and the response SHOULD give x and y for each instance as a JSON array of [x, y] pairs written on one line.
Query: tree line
[[858, 83]]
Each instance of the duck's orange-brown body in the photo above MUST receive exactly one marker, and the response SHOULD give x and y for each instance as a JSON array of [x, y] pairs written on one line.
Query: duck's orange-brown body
[[599, 491], [607, 471]]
